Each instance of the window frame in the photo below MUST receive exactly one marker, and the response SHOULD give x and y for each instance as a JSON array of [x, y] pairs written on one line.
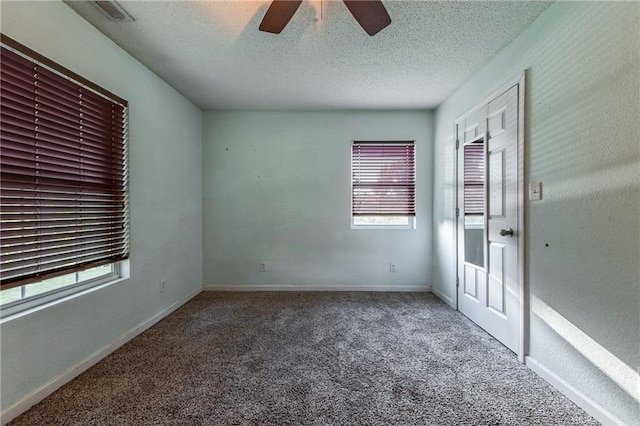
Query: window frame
[[371, 226], [35, 301], [411, 219], [119, 267]]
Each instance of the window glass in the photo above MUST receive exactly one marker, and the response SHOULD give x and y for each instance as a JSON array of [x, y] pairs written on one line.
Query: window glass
[[27, 292]]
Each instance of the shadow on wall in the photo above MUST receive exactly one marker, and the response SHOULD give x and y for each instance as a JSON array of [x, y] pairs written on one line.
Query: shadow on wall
[[622, 374], [587, 136], [583, 256]]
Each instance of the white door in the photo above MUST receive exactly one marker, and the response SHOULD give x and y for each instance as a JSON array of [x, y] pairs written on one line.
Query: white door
[[489, 283]]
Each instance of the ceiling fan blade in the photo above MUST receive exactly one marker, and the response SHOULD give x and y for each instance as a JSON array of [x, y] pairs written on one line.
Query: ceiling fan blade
[[278, 15], [370, 14]]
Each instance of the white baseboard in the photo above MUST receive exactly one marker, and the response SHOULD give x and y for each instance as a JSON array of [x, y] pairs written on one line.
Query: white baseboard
[[580, 399], [291, 287], [47, 389], [446, 299]]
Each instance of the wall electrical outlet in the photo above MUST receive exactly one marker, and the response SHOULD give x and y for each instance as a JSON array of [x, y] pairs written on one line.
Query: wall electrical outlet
[[393, 267], [163, 286], [263, 266]]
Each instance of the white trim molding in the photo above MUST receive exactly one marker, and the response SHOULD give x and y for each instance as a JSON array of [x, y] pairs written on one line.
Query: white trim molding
[[74, 371], [580, 399], [424, 288], [446, 299]]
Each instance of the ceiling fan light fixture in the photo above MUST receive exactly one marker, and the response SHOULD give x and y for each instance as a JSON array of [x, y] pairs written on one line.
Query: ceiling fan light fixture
[[370, 14], [278, 15]]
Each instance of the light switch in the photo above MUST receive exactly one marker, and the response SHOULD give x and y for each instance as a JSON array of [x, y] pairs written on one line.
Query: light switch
[[535, 191]]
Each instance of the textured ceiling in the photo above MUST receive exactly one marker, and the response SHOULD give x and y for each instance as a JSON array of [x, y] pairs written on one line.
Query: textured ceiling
[[213, 53]]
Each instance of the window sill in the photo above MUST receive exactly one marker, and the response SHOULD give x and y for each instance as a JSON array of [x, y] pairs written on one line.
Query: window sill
[[383, 227], [46, 301]]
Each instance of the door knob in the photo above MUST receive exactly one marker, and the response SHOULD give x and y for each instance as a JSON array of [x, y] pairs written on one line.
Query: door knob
[[506, 232]]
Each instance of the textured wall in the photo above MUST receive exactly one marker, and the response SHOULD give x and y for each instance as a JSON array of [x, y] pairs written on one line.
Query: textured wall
[[277, 189], [583, 238], [165, 194]]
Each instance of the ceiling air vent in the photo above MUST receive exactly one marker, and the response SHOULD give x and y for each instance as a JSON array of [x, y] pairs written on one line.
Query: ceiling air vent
[[113, 10]]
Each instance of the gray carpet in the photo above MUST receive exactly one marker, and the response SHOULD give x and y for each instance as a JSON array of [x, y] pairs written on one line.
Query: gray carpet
[[309, 359]]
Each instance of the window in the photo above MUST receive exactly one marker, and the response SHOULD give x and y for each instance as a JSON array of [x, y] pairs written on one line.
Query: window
[[474, 177], [63, 179], [383, 185]]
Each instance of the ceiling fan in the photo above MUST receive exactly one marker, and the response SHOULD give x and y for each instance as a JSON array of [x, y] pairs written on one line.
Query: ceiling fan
[[370, 14]]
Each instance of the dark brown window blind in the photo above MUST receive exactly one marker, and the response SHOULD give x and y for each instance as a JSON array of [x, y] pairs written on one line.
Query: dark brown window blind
[[63, 174], [383, 179], [474, 177]]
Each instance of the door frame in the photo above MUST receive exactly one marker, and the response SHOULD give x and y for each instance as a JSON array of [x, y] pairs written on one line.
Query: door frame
[[523, 326]]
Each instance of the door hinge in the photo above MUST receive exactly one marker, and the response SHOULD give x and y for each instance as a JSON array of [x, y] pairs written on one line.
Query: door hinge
[[457, 212], [457, 282], [457, 144]]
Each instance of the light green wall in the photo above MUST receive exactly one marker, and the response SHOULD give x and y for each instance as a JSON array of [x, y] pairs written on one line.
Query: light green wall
[[277, 189], [583, 144], [165, 139]]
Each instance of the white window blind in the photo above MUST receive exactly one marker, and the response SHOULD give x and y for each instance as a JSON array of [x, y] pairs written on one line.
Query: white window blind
[[383, 179], [474, 177], [63, 199]]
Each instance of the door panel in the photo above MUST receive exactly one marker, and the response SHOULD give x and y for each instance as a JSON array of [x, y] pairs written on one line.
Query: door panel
[[496, 289], [471, 282], [496, 188], [475, 125], [489, 295], [497, 122]]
